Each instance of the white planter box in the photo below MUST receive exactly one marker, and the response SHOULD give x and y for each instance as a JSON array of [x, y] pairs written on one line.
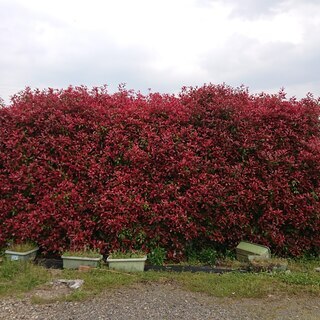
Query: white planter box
[[127, 265], [24, 256], [72, 262], [247, 251]]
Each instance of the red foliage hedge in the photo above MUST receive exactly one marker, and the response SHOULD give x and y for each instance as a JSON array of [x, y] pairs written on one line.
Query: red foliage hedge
[[210, 167]]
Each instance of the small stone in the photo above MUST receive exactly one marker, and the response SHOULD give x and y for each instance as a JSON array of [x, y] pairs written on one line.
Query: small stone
[[76, 284], [317, 269], [72, 284]]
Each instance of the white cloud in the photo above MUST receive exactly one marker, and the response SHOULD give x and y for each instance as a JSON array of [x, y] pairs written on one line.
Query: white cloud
[[160, 44]]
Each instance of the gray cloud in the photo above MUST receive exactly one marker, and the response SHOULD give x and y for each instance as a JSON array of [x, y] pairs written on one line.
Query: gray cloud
[[22, 48], [279, 64], [246, 8], [40, 50], [254, 9]]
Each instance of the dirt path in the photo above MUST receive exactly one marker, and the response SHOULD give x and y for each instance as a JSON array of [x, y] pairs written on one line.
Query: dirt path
[[161, 301]]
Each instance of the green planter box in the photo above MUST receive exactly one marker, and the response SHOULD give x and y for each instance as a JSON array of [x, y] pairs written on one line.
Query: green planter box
[[24, 256], [127, 265], [247, 251], [71, 262]]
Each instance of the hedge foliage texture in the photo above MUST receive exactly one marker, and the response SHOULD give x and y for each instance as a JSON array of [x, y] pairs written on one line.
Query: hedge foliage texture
[[206, 168]]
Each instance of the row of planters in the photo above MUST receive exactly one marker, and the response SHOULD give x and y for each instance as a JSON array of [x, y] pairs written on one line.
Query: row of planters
[[251, 257], [122, 261], [130, 261]]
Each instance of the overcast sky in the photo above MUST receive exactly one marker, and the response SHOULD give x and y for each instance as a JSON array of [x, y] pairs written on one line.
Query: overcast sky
[[160, 44]]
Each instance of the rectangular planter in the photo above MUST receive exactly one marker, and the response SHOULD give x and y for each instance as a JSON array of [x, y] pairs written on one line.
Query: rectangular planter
[[70, 262], [127, 265], [24, 256], [247, 251]]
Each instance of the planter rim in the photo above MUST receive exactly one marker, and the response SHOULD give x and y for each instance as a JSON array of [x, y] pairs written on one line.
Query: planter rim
[[19, 253], [82, 258], [126, 259]]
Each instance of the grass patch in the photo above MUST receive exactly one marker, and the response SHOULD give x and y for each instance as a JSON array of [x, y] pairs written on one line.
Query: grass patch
[[98, 280], [240, 285], [18, 277], [252, 285]]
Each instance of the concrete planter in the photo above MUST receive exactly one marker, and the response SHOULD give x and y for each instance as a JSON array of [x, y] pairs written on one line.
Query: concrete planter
[[128, 264], [23, 256], [72, 262]]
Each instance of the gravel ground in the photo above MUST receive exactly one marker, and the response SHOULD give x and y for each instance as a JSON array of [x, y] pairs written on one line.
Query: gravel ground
[[162, 301]]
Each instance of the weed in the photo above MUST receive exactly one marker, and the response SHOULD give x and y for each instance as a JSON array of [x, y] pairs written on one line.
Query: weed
[[22, 247], [85, 253], [126, 255], [208, 256], [157, 256]]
